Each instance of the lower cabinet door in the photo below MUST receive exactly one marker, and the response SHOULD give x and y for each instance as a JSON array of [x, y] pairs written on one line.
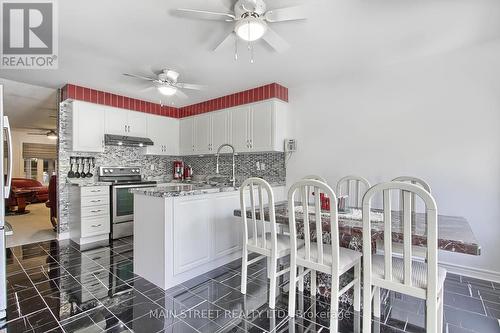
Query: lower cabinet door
[[191, 233], [227, 228]]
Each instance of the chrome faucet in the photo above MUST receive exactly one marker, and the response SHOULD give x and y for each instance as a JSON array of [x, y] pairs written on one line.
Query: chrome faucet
[[233, 178]]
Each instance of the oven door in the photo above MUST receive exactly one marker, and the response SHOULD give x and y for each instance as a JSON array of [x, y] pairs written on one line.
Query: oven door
[[123, 202]]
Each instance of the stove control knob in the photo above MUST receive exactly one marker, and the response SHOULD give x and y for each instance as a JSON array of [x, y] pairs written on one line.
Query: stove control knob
[[105, 170], [111, 171]]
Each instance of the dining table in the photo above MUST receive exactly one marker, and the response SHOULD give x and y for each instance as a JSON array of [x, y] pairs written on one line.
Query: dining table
[[454, 232]]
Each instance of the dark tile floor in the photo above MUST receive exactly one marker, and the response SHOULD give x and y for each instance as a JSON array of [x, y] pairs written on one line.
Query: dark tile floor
[[55, 287]]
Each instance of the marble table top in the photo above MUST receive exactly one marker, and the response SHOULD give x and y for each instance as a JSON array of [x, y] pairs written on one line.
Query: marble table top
[[454, 232]]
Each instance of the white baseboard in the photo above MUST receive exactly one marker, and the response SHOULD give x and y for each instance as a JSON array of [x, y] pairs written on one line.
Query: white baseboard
[[477, 273], [63, 235]]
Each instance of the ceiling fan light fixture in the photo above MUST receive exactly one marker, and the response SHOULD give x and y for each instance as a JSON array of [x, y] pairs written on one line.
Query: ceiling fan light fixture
[[167, 90], [250, 29]]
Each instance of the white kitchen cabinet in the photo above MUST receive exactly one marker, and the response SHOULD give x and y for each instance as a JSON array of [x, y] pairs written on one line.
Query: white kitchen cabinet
[[259, 127], [262, 124], [125, 122], [186, 136], [87, 127], [240, 127], [203, 134], [192, 238], [227, 234], [220, 129], [137, 124], [89, 218], [164, 132]]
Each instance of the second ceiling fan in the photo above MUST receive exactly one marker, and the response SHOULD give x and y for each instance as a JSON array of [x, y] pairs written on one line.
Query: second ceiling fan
[[251, 20]]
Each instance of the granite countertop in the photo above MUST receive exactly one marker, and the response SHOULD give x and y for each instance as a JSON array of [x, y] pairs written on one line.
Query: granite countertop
[[86, 182], [454, 232], [183, 189]]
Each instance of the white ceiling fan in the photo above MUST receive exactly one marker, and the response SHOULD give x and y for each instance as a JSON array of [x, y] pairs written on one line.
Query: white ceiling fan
[[49, 133], [251, 20], [166, 83]]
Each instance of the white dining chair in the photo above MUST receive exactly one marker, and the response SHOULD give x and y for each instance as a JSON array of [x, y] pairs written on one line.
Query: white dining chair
[[316, 177], [265, 243], [316, 256], [344, 187], [404, 275]]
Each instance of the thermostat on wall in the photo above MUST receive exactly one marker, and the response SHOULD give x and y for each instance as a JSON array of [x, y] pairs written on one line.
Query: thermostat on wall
[[290, 145]]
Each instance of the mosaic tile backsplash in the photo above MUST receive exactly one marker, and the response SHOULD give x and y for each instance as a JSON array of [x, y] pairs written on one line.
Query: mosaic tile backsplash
[[274, 170]]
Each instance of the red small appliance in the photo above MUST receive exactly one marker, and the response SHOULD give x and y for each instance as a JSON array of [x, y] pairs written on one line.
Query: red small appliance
[[178, 170]]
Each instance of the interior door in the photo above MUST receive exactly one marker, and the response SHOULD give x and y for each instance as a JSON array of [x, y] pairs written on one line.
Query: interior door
[[261, 138], [239, 128]]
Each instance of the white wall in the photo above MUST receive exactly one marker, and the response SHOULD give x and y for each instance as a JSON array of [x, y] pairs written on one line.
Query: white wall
[[18, 137], [437, 118]]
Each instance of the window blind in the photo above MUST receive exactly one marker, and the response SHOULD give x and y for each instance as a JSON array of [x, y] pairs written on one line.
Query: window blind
[[39, 150]]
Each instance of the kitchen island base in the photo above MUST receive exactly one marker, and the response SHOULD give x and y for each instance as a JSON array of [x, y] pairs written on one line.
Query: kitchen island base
[[181, 237]]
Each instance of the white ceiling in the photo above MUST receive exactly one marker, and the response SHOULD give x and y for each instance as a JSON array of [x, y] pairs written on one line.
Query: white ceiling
[[29, 106], [101, 39]]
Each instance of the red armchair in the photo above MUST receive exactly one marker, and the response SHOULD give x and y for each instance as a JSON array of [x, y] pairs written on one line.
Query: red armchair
[[42, 192]]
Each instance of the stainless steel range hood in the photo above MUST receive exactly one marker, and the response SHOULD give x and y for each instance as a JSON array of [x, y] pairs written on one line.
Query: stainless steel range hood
[[128, 141]]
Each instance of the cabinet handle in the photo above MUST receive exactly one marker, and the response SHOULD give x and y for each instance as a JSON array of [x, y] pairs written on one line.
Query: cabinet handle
[[95, 191], [129, 128], [96, 225], [96, 211], [95, 200]]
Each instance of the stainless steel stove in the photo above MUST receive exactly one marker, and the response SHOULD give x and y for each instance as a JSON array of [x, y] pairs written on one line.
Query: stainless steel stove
[[122, 202]]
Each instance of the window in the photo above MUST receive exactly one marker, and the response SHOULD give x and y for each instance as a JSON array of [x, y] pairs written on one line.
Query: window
[[30, 168]]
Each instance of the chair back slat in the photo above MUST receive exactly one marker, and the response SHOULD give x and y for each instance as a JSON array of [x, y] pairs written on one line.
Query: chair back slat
[[416, 181], [360, 188], [256, 188], [387, 235], [307, 233], [407, 239], [319, 227], [407, 191], [298, 194]]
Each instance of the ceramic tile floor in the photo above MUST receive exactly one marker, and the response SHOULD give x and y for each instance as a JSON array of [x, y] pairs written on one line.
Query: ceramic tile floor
[[55, 287]]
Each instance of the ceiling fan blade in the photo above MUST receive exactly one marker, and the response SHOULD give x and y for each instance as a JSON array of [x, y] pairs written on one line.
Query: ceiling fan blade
[[205, 15], [37, 133], [286, 14], [181, 94], [147, 89], [228, 37], [275, 41], [189, 86], [140, 77]]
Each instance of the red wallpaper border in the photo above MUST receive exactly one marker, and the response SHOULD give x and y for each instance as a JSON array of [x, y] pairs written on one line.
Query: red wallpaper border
[[273, 90]]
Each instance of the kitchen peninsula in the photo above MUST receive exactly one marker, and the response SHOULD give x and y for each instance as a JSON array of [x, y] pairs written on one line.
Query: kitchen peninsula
[[182, 231]]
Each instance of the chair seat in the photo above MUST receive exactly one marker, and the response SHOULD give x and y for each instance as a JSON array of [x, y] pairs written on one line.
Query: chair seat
[[419, 271], [282, 240], [347, 257]]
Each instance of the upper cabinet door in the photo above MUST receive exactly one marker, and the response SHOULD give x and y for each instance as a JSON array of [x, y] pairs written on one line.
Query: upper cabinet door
[[170, 134], [220, 129], [202, 134], [116, 121], [239, 128], [137, 124], [88, 127], [187, 136], [262, 127]]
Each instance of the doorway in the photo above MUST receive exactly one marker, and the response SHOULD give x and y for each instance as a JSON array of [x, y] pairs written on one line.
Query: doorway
[[32, 112]]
